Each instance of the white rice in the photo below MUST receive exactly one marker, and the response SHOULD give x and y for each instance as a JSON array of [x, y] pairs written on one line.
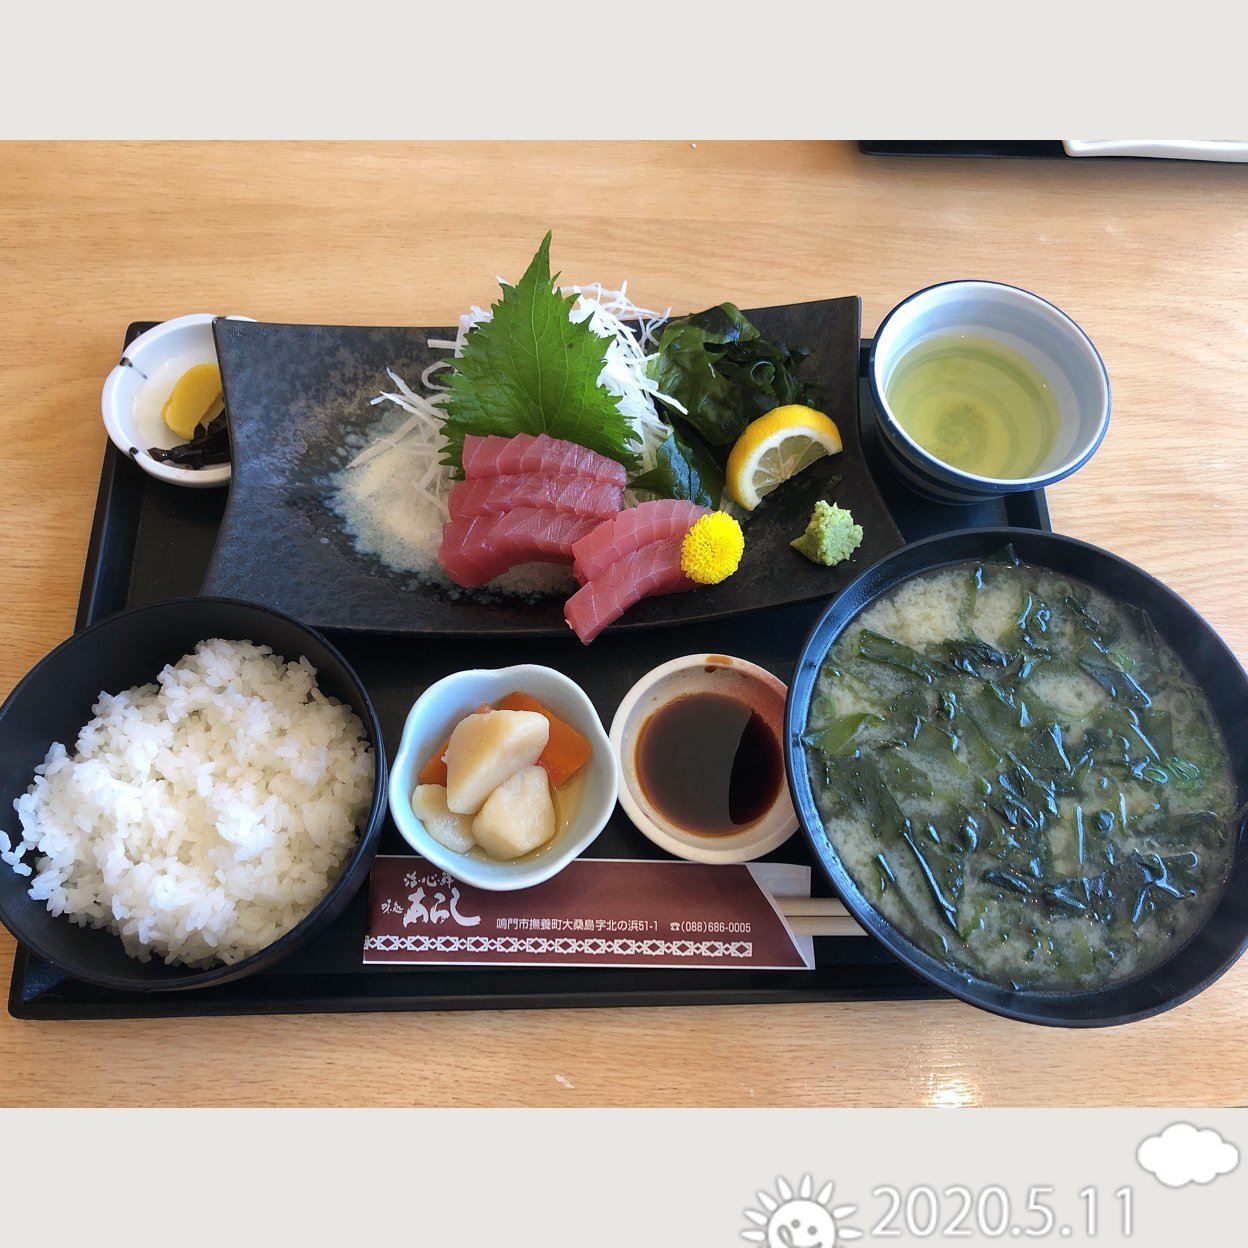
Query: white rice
[[203, 816]]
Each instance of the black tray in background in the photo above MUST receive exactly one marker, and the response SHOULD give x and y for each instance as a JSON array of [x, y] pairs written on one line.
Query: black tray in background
[[977, 148], [151, 540]]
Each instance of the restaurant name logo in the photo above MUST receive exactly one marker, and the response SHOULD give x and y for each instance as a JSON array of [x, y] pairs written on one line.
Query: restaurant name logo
[[435, 899]]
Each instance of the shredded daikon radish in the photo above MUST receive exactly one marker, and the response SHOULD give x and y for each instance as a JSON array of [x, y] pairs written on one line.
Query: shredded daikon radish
[[426, 418], [624, 373], [426, 378]]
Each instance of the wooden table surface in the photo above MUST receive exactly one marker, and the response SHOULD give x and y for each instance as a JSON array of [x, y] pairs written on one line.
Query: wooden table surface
[[1152, 260]]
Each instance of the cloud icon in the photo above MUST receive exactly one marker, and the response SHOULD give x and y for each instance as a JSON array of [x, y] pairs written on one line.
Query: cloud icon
[[1184, 1154]]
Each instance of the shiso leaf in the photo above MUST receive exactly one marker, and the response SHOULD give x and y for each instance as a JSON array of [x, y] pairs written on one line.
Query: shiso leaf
[[529, 369]]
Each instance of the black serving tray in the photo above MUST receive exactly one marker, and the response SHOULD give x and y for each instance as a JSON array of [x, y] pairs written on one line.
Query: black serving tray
[[151, 540]]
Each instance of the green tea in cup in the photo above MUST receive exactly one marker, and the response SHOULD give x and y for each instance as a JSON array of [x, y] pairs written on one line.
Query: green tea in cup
[[976, 404]]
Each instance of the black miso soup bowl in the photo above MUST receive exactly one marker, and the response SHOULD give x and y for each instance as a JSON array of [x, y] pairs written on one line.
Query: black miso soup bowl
[[54, 700], [1223, 936]]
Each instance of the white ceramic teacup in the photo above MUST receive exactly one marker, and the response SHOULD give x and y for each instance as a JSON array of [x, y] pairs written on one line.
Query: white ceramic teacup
[[1041, 333]]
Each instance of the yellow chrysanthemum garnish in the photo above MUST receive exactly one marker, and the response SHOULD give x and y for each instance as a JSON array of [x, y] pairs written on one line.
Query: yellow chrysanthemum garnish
[[712, 549]]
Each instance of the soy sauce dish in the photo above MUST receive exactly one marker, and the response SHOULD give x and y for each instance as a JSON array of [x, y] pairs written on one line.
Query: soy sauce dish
[[701, 768], [1022, 762]]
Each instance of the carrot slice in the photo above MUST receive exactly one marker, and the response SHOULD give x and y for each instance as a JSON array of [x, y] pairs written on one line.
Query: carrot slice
[[434, 771], [566, 752]]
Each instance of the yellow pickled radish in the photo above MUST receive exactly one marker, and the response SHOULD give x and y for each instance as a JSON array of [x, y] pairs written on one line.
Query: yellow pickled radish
[[194, 396]]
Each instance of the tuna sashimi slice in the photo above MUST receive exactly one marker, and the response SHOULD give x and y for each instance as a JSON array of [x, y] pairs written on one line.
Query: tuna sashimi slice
[[499, 457], [652, 570], [583, 496], [631, 530], [477, 549], [459, 553]]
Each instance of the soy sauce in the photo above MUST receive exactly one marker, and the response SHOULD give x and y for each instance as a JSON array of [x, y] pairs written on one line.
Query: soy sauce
[[709, 763]]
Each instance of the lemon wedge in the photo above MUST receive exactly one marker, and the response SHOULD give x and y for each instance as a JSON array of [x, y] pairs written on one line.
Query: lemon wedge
[[193, 398], [774, 448]]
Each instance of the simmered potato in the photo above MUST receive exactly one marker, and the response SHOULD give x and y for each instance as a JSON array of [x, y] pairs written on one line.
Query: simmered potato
[[443, 824], [517, 817], [487, 749]]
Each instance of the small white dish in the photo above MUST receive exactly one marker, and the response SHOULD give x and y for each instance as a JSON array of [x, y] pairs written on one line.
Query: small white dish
[[701, 673], [137, 388], [429, 723]]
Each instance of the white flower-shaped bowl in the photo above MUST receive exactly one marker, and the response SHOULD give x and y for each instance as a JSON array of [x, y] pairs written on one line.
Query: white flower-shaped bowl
[[429, 723]]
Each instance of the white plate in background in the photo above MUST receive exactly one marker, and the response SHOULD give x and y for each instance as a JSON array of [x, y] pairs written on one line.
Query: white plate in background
[[1234, 151]]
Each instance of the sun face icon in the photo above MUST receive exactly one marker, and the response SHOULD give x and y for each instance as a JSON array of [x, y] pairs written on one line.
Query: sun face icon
[[801, 1219]]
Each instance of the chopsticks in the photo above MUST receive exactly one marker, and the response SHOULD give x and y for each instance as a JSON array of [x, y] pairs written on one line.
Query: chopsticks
[[818, 916]]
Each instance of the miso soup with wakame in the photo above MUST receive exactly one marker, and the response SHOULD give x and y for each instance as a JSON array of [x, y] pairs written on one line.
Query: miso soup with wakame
[[1019, 773]]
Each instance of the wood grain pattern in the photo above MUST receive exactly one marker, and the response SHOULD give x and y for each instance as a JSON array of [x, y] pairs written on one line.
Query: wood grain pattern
[[1149, 258]]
